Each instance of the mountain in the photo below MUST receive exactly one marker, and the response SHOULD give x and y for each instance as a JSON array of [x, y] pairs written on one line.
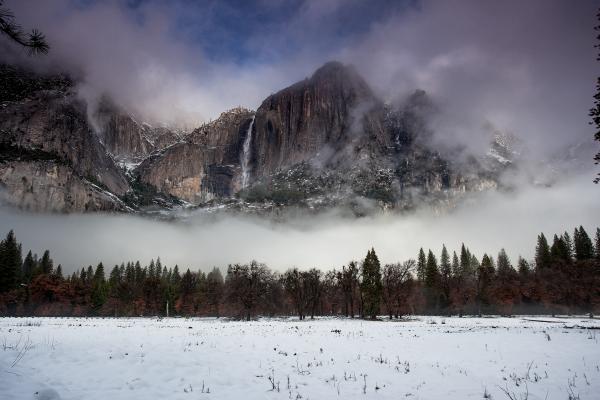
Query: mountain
[[333, 112], [50, 158], [326, 141], [203, 166], [125, 138]]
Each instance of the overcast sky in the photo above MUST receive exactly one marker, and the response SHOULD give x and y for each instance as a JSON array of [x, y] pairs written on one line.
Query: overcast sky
[[524, 67]]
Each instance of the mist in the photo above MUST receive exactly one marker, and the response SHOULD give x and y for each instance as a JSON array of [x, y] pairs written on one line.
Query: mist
[[524, 68], [486, 222]]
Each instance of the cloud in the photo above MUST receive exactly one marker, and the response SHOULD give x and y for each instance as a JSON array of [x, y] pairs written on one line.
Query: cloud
[[135, 57], [524, 67]]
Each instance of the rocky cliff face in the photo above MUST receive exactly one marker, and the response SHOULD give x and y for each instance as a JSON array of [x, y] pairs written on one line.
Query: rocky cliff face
[[334, 115], [54, 122], [51, 123], [48, 185], [225, 136], [322, 142], [328, 141], [46, 121], [204, 166], [127, 139]]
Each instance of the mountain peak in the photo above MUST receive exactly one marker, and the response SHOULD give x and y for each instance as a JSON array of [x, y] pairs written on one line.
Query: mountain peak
[[337, 70], [332, 67]]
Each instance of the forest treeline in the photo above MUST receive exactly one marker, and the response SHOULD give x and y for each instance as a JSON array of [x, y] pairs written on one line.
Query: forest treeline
[[564, 277]]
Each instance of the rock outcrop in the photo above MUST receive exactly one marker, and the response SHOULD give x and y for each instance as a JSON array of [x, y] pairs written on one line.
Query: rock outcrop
[[48, 185], [206, 165], [127, 139], [322, 142], [334, 115], [331, 129], [42, 122]]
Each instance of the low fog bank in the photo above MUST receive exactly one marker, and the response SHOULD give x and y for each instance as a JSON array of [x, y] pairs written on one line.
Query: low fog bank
[[486, 223]]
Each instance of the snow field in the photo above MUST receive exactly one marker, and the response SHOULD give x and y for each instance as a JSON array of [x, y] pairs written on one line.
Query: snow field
[[418, 358]]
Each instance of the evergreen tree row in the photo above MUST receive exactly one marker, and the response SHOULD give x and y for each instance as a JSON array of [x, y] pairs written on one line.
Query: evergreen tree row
[[564, 277]]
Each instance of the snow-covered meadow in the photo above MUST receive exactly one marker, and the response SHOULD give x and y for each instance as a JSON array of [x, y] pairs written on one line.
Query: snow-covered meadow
[[418, 358]]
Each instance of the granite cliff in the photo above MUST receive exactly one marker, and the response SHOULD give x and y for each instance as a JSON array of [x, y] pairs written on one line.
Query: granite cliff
[[50, 157], [324, 141]]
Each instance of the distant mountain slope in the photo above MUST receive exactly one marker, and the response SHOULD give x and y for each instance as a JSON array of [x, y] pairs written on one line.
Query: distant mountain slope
[[50, 159], [322, 142]]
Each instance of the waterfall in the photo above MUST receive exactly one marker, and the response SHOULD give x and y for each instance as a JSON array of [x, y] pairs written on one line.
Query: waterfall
[[246, 155]]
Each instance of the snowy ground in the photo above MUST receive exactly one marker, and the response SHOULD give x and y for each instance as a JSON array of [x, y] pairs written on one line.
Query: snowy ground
[[422, 358]]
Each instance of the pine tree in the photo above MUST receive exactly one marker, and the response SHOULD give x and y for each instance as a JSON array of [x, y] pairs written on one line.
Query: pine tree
[[485, 274], [371, 286], [446, 274], [542, 253], [151, 269], [465, 261], [138, 274], [29, 267], [455, 265], [504, 288], [523, 266], [10, 263], [58, 272], [115, 277], [559, 251], [99, 289], [445, 266], [597, 244], [99, 274], [130, 274], [89, 274], [432, 282], [432, 272], [584, 249], [568, 245], [464, 282], [504, 264], [421, 265], [188, 292], [46, 263], [445, 270], [188, 283], [175, 277], [474, 263]]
